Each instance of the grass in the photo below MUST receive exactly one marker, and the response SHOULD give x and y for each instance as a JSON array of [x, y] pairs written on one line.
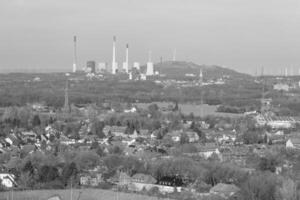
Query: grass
[[78, 194], [197, 110]]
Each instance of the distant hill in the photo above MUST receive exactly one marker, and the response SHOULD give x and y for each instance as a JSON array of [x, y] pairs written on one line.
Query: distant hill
[[178, 69]]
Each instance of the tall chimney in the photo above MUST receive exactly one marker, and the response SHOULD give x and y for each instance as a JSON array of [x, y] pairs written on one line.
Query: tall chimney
[[127, 58], [150, 68], [113, 66], [174, 55], [75, 54]]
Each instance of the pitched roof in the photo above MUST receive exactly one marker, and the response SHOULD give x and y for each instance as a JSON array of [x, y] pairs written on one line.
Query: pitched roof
[[145, 178]]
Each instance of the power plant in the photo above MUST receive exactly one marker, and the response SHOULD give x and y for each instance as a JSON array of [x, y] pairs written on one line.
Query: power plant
[[134, 70], [136, 65]]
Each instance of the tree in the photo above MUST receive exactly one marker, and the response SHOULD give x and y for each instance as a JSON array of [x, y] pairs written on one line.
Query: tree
[[24, 116], [184, 138], [260, 186], [86, 160], [116, 150], [28, 167], [26, 180], [70, 171], [224, 173], [153, 110], [10, 116], [288, 190], [36, 121], [48, 173], [268, 163], [252, 137], [97, 128], [92, 113], [176, 107]]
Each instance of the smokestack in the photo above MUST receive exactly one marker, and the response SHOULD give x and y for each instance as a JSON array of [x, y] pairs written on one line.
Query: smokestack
[[150, 68], [126, 63], [200, 77], [127, 53], [114, 64], [174, 55], [75, 54]]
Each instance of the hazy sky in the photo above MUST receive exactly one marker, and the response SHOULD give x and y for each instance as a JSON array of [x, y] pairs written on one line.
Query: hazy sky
[[240, 34]]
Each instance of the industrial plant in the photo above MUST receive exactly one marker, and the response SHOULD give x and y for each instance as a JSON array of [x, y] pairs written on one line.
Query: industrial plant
[[92, 68]]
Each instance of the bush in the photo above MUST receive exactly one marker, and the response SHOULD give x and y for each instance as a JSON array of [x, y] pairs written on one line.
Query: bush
[[105, 186]]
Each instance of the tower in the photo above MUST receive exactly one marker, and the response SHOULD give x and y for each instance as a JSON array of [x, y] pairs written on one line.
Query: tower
[[75, 54], [174, 55], [67, 108], [150, 70], [114, 65], [200, 77], [286, 73], [126, 63]]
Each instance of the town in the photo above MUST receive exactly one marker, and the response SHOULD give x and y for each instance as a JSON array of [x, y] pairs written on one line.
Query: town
[[164, 136]]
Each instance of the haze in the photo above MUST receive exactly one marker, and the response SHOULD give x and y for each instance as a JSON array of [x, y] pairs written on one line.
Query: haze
[[36, 35]]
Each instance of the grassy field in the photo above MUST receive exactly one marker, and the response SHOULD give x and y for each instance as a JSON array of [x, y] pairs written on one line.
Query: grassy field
[[78, 194], [197, 110]]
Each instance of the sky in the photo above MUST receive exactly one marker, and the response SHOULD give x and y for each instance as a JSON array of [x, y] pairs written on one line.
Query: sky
[[37, 35]]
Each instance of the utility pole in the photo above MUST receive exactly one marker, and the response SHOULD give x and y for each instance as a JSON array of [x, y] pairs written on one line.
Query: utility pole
[[71, 195]]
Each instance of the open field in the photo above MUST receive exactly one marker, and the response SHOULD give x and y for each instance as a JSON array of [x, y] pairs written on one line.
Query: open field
[[197, 110], [78, 194]]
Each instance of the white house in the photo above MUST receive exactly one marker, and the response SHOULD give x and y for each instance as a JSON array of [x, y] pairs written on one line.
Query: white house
[[293, 143], [281, 87], [208, 150], [7, 180]]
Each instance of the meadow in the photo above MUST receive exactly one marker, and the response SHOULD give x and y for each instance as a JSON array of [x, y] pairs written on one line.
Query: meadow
[[77, 194], [199, 110]]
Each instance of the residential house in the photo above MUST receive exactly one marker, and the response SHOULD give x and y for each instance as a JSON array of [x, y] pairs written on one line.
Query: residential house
[[12, 139], [143, 133], [29, 136], [7, 180], [174, 181], [276, 138], [281, 87], [293, 143], [175, 135], [208, 150], [275, 122], [134, 135], [193, 136], [117, 131], [226, 139], [143, 178], [130, 110], [235, 154], [123, 179], [91, 179]]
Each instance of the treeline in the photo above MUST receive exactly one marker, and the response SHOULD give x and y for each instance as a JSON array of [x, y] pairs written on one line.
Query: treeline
[[88, 91]]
